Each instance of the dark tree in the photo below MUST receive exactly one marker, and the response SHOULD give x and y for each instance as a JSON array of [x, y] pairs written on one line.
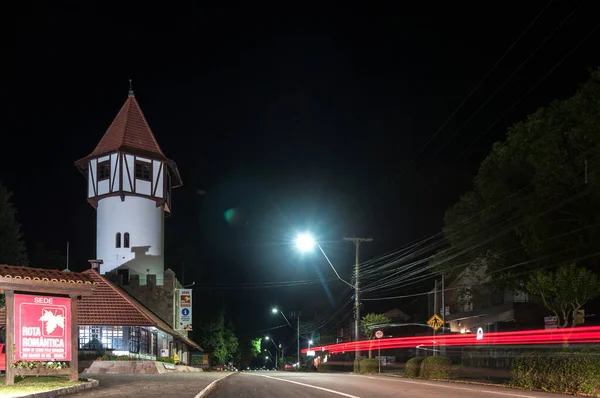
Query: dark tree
[[12, 247], [535, 201]]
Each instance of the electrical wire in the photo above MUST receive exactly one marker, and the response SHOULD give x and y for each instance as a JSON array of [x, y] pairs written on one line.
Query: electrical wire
[[507, 80], [530, 90], [474, 90]]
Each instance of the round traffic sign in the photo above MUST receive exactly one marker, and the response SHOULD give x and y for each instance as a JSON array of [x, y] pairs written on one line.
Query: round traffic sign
[[379, 334], [185, 312]]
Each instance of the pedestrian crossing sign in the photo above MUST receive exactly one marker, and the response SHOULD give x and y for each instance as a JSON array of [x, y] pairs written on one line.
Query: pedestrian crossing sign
[[435, 322]]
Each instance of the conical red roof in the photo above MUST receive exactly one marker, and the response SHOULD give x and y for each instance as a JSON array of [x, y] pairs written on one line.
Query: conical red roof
[[129, 131]]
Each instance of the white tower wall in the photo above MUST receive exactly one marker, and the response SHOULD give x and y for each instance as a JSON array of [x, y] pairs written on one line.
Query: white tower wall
[[144, 221]]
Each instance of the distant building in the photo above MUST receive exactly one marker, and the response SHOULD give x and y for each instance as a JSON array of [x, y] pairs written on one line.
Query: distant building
[[472, 302]]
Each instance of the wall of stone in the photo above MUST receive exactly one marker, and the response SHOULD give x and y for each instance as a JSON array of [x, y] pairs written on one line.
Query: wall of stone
[[136, 367], [159, 299]]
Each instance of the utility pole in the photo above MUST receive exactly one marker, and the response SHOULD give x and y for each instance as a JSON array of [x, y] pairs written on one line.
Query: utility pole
[[357, 242], [444, 313], [435, 311], [296, 314]]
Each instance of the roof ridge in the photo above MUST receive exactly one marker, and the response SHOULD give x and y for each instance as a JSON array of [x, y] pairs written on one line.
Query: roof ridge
[[120, 293], [127, 112], [139, 108]]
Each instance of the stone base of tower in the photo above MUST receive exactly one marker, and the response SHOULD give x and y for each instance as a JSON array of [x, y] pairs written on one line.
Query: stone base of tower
[[160, 299]]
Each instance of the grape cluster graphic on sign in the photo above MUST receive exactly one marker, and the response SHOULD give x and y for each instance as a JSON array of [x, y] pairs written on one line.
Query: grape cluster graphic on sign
[[53, 320]]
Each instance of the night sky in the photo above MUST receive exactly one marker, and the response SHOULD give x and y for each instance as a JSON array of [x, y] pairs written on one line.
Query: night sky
[[299, 118]]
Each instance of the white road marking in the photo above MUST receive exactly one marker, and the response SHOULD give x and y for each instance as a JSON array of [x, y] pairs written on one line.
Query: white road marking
[[210, 386], [306, 385], [448, 386]]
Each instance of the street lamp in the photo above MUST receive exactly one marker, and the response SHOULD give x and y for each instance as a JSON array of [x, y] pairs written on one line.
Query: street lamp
[[276, 351], [275, 311], [305, 242]]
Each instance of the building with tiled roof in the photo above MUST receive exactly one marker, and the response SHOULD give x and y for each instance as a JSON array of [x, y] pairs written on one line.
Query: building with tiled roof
[[111, 319], [118, 322]]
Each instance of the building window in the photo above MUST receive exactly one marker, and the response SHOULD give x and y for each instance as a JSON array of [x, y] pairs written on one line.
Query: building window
[[143, 170], [134, 339], [144, 341], [104, 170], [100, 338], [118, 240], [126, 239]]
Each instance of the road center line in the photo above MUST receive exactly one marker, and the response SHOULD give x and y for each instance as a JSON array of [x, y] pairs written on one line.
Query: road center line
[[451, 387], [307, 385]]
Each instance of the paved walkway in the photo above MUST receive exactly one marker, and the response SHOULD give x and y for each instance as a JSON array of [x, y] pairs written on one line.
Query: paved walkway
[[181, 385]]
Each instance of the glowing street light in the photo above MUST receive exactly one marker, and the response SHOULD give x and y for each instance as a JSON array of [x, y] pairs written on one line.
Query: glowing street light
[[305, 242], [276, 351]]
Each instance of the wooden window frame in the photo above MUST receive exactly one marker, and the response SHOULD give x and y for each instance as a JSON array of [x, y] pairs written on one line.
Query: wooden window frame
[[100, 167], [142, 165]]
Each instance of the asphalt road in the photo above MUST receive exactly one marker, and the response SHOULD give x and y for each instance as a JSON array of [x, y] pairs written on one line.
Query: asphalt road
[[330, 385]]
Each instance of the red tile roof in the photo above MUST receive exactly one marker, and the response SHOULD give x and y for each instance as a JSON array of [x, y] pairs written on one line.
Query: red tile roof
[[110, 305], [129, 131], [51, 275]]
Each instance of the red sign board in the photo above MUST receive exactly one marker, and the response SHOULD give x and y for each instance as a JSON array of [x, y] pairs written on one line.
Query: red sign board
[[185, 299], [379, 334], [42, 328]]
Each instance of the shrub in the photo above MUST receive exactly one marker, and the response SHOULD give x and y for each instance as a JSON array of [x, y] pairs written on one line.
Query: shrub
[[436, 368], [369, 365], [165, 359], [334, 367], [413, 367], [357, 366], [564, 371], [324, 368]]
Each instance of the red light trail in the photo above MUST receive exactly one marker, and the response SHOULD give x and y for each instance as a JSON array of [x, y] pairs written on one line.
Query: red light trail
[[589, 334]]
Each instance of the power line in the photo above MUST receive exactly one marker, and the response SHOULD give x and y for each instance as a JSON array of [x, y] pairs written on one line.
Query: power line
[[490, 71], [530, 90], [507, 80]]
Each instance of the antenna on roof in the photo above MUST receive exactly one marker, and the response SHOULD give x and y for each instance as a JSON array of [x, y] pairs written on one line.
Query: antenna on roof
[[131, 89]]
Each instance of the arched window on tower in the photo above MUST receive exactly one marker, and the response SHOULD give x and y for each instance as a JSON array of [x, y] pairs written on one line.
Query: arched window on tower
[[118, 240], [126, 240]]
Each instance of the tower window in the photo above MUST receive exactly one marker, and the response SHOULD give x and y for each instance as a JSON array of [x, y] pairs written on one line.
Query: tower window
[[104, 170], [118, 240], [143, 170], [126, 239]]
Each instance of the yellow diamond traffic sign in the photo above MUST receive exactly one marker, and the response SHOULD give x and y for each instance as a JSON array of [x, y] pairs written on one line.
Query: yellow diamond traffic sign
[[435, 322]]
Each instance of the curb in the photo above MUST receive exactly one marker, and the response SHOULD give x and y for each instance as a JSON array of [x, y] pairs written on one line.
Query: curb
[[212, 386], [89, 383]]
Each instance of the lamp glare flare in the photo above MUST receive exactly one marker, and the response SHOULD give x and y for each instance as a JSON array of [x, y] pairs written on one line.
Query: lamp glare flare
[[305, 242], [528, 337]]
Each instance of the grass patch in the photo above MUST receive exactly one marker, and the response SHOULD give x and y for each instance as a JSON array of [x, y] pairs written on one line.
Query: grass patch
[[35, 384]]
